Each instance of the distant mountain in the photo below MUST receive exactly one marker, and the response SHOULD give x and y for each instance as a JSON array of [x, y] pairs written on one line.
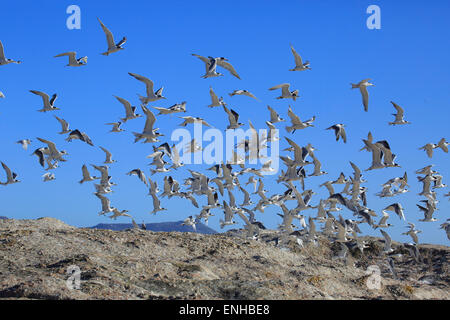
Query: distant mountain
[[3, 217], [161, 226]]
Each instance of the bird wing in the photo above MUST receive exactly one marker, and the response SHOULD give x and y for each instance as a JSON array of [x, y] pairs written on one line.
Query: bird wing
[[108, 154], [294, 118], [2, 52], [283, 85], [63, 123], [126, 104], [387, 238], [399, 109], [44, 97], [71, 54], [150, 119], [51, 145], [298, 59], [85, 172], [8, 172], [205, 60], [147, 81], [229, 67], [343, 134], [214, 99], [365, 97], [109, 35]]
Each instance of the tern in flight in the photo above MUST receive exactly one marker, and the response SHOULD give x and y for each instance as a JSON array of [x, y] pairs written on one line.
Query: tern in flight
[[299, 65], [362, 85], [48, 103], [211, 64], [73, 61], [398, 116], [285, 92], [112, 46], [151, 96], [129, 110]]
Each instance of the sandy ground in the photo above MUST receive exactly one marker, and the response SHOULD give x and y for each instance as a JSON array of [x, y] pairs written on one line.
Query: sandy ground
[[36, 256]]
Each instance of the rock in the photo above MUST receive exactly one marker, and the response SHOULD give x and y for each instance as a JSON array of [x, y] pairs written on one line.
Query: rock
[[36, 255]]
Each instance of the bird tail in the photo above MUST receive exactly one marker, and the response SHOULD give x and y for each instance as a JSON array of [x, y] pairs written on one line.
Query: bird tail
[[289, 129], [354, 85]]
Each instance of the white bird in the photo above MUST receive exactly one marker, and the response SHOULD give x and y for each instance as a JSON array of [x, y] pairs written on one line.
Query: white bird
[[228, 216], [215, 101], [339, 131], [317, 168], [3, 60], [193, 147], [117, 213], [48, 176], [64, 125], [243, 93], [285, 92], [190, 221], [399, 115], [86, 175], [176, 108], [428, 213], [297, 124], [148, 133], [387, 242], [429, 149], [376, 155], [115, 126], [108, 156], [362, 85], [129, 110], [212, 63], [106, 204], [443, 144], [73, 61], [175, 156], [397, 208], [10, 176], [156, 203], [412, 232], [140, 174], [53, 152], [48, 103], [233, 118], [78, 135], [25, 143], [151, 96], [299, 65], [382, 223], [190, 120], [274, 116], [112, 46]]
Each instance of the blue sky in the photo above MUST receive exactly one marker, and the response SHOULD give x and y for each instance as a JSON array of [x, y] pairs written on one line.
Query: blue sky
[[407, 60]]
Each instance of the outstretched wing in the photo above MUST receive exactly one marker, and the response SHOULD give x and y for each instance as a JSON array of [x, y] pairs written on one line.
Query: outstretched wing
[[229, 67], [109, 36], [205, 60], [2, 52], [43, 95], [147, 81], [298, 59], [71, 55]]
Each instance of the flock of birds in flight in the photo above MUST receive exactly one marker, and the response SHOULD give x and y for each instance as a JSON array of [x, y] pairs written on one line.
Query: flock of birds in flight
[[352, 196]]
